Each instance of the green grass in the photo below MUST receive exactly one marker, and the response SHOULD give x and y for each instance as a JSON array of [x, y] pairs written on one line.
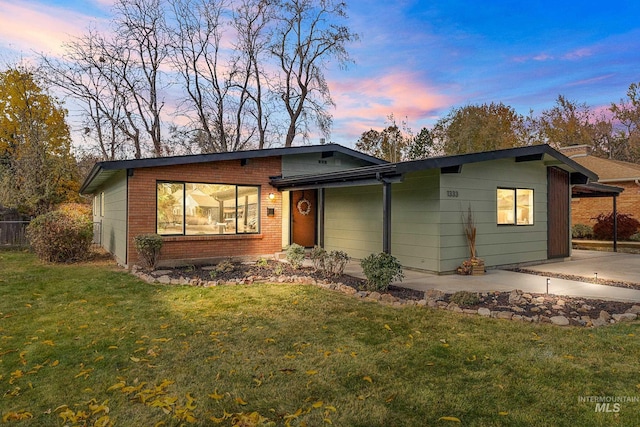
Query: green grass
[[81, 334]]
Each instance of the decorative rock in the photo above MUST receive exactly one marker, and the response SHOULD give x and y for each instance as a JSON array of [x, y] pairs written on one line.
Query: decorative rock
[[561, 302], [515, 296], [516, 317], [605, 316], [634, 309], [504, 315], [598, 322], [158, 273], [165, 280], [527, 296], [362, 294], [559, 320], [374, 296], [539, 300], [517, 309], [469, 311], [422, 302], [388, 298], [535, 309], [557, 307], [624, 317], [434, 294], [485, 312]]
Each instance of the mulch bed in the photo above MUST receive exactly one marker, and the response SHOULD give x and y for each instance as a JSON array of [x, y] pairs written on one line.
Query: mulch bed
[[492, 300]]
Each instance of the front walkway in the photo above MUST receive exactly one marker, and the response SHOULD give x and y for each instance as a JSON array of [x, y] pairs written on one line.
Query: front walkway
[[608, 265]]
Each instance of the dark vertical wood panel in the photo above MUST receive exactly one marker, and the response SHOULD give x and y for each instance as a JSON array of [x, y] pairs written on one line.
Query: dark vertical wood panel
[[558, 213]]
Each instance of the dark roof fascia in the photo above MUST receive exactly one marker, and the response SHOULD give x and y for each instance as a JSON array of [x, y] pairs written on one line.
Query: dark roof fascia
[[595, 189], [525, 153], [365, 174], [236, 155], [230, 155]]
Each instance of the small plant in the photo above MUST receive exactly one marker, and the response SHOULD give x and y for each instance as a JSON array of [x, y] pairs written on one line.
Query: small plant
[[465, 298], [225, 266], [148, 247], [213, 274], [278, 269], [581, 231], [262, 262], [318, 257], [61, 236], [603, 229], [381, 269], [335, 262], [295, 255]]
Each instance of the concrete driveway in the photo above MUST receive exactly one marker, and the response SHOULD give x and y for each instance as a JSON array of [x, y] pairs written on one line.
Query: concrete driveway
[[608, 266]]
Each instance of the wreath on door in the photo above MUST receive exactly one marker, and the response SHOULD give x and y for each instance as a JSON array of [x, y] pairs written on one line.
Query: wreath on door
[[304, 206]]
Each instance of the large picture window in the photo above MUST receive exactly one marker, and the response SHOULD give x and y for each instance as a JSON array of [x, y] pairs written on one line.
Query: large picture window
[[195, 208], [515, 206]]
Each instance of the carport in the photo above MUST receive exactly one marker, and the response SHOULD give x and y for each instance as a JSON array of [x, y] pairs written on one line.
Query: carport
[[595, 189]]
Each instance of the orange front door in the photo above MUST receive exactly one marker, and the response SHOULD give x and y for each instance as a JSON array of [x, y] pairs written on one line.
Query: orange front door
[[303, 217]]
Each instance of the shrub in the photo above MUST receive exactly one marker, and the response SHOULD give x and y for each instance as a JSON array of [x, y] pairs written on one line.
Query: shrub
[[61, 236], [318, 257], [581, 231], [148, 247], [465, 298], [603, 229], [381, 269], [295, 255], [225, 266], [635, 237], [335, 262]]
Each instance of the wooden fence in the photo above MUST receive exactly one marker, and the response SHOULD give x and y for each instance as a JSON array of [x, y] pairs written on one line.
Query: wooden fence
[[13, 233]]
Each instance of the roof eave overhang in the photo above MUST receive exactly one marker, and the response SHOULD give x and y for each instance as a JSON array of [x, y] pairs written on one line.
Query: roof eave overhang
[[368, 175]]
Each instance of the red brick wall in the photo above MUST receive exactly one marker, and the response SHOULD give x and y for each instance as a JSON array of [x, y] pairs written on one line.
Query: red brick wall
[[584, 209], [142, 210]]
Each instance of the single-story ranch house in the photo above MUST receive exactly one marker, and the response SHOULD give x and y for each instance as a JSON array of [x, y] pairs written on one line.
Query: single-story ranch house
[[255, 203]]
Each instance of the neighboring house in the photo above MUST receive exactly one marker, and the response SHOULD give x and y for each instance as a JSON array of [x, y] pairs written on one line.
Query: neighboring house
[[255, 203], [623, 175]]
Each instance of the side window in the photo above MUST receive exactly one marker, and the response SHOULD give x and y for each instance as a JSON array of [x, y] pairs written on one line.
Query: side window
[[514, 206]]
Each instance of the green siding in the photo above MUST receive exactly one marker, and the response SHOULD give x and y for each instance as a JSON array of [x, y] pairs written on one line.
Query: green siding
[[305, 164], [353, 220], [476, 187], [114, 220], [415, 219]]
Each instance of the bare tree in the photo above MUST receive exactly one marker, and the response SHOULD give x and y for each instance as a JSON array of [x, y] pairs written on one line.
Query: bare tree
[[137, 53], [306, 39]]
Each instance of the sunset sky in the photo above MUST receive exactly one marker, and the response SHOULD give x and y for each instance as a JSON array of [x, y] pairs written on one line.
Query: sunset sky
[[419, 59]]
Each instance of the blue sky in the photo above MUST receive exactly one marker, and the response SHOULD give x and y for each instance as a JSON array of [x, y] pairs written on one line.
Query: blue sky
[[419, 59]]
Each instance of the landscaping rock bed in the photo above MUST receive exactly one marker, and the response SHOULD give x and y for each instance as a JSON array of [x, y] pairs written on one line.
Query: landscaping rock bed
[[515, 305]]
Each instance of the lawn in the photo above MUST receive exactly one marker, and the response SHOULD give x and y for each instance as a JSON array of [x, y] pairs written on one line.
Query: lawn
[[91, 345]]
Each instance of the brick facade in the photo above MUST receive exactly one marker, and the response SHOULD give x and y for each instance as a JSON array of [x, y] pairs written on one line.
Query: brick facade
[[191, 249], [583, 210]]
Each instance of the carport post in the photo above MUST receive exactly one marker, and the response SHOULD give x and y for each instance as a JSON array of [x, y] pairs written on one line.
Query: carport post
[[615, 224], [386, 217]]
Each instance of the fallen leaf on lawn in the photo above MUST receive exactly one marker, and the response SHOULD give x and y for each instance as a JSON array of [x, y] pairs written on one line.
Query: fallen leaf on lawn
[[269, 340], [454, 419], [99, 358], [312, 372], [472, 358], [113, 347], [354, 354], [216, 396], [318, 404], [387, 327], [327, 421], [28, 305], [16, 416], [117, 386], [55, 363], [15, 375], [239, 401], [368, 379], [48, 342], [190, 402], [503, 413], [84, 373], [330, 408], [134, 359], [390, 398]]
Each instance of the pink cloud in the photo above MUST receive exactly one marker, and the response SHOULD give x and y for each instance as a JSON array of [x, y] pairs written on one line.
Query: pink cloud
[[366, 103], [30, 26]]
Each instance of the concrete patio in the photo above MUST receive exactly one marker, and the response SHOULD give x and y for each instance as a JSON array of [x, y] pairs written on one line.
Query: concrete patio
[[607, 265]]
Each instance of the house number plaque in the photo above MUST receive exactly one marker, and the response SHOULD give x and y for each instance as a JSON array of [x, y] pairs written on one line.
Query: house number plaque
[[452, 193]]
